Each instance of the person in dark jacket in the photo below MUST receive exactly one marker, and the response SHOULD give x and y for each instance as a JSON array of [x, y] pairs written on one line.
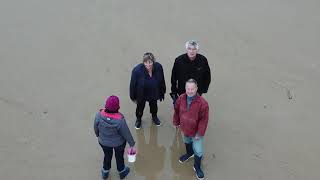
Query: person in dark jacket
[[190, 65], [113, 133], [147, 85], [191, 114]]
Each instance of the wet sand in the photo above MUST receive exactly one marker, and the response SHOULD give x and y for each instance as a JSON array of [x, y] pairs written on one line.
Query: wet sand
[[59, 60]]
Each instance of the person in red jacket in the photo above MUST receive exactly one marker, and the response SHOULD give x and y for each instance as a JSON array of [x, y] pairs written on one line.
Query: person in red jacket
[[191, 114]]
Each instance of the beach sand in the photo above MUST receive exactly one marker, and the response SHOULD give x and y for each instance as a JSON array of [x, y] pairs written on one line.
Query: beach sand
[[59, 60]]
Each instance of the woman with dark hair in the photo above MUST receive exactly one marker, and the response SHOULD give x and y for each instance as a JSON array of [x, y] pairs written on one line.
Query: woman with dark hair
[[147, 85], [113, 134]]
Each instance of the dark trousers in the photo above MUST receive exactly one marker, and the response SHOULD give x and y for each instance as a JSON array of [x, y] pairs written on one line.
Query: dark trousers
[[140, 107], [108, 153]]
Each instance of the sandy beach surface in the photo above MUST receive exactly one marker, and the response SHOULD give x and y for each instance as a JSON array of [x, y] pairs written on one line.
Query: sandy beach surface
[[60, 59]]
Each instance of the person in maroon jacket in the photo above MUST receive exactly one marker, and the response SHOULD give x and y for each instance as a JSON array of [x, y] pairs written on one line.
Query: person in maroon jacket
[[191, 113]]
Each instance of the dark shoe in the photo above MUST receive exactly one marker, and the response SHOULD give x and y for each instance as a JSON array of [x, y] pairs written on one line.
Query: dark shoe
[[138, 124], [124, 172], [156, 121], [104, 173], [197, 168], [188, 155]]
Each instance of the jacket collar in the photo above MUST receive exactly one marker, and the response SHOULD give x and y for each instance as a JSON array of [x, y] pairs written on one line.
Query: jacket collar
[[110, 115], [196, 98]]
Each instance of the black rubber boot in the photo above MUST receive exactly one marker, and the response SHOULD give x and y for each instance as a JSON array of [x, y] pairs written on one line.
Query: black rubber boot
[[188, 155], [197, 167], [138, 123], [124, 172]]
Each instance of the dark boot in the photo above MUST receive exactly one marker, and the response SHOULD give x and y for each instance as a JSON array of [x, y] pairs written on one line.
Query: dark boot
[[124, 172], [188, 155], [156, 120], [197, 167], [138, 123], [104, 173]]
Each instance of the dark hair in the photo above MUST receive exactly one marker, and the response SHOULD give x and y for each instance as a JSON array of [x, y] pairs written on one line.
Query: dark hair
[[108, 111], [148, 56]]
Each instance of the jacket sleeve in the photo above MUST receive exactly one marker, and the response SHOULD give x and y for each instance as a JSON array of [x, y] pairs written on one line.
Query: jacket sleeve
[[126, 134], [204, 117], [133, 83], [176, 115], [174, 78], [162, 83], [95, 126], [207, 77]]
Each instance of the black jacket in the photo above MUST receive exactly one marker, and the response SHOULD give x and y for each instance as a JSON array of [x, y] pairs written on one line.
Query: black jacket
[[137, 82], [184, 69]]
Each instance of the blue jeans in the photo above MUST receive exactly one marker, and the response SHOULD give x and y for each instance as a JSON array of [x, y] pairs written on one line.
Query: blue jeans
[[197, 144]]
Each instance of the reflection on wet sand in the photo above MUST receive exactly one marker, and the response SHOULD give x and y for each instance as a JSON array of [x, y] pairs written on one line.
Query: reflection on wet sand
[[150, 157], [180, 171]]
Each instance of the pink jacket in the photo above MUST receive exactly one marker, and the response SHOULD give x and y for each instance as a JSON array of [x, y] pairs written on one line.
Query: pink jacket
[[194, 120]]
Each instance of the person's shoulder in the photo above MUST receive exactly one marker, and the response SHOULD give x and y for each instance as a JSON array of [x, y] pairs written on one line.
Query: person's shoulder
[[203, 101], [137, 68], [98, 115], [181, 57], [157, 65], [202, 57], [182, 96], [121, 118]]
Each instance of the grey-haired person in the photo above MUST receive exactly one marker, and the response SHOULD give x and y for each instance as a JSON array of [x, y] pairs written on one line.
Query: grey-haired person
[[190, 65]]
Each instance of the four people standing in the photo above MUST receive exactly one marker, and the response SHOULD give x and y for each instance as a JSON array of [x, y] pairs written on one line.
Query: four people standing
[[190, 78]]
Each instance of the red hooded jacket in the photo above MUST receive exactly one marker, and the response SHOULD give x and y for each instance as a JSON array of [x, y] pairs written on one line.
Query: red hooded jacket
[[194, 120]]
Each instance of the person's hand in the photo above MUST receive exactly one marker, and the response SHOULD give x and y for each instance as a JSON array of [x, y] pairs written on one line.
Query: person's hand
[[174, 97], [197, 137], [176, 126], [132, 150], [161, 97]]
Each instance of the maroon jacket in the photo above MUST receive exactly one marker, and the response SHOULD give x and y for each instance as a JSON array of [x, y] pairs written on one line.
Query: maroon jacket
[[194, 120]]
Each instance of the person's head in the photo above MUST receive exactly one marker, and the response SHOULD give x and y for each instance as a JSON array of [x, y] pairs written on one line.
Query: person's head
[[112, 104], [191, 87], [192, 48], [148, 60]]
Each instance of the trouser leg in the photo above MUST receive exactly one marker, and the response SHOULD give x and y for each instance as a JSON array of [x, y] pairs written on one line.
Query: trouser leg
[[197, 145], [119, 152], [153, 108], [140, 108], [108, 153]]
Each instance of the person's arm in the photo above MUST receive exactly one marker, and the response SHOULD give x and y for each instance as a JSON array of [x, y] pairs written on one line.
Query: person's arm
[[125, 133], [95, 126], [203, 119], [133, 83], [174, 89], [174, 78], [176, 117], [162, 84], [207, 77]]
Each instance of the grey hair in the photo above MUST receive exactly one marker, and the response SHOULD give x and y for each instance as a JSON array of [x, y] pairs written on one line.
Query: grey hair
[[192, 43], [192, 81]]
